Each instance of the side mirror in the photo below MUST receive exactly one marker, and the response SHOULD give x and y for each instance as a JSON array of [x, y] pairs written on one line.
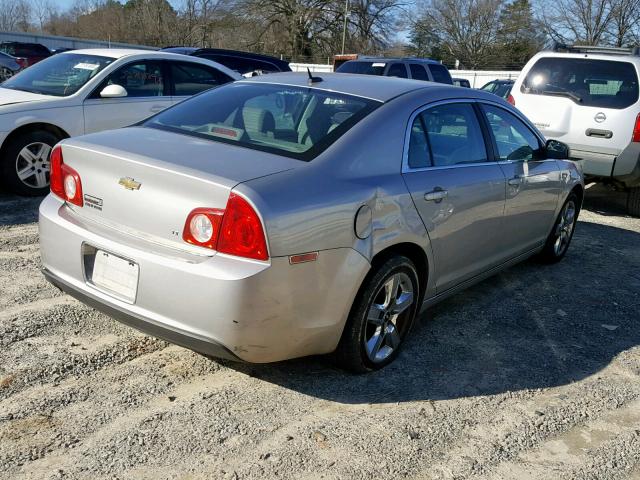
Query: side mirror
[[113, 91], [557, 150]]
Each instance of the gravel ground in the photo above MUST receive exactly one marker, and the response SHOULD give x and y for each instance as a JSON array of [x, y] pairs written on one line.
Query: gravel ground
[[533, 374]]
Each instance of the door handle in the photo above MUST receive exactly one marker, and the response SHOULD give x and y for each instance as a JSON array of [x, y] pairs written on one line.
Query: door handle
[[157, 108], [436, 195], [515, 181]]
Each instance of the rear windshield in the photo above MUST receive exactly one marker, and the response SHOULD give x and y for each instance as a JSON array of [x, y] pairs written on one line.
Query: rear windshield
[[592, 83], [292, 121], [364, 68]]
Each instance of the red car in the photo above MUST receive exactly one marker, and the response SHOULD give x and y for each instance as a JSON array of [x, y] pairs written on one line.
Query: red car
[[32, 52]]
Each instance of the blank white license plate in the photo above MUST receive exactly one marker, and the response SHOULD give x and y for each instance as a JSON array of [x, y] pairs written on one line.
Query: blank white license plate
[[116, 275]]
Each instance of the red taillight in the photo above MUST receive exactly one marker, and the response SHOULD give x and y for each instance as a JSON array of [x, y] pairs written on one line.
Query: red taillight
[[237, 230], [23, 62], [64, 180], [202, 227], [636, 130], [511, 100]]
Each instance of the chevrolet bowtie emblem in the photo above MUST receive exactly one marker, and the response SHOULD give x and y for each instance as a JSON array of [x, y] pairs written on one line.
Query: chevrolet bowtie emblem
[[129, 183]]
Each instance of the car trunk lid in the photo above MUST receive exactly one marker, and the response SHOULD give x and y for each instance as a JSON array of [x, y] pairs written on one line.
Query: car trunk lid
[[145, 182]]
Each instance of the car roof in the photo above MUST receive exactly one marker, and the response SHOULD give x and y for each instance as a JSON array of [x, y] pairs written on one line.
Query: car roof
[[395, 59], [368, 86], [112, 52], [612, 56]]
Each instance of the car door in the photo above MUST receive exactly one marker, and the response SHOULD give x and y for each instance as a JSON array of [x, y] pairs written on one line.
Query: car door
[[458, 193], [189, 78], [147, 94], [533, 182]]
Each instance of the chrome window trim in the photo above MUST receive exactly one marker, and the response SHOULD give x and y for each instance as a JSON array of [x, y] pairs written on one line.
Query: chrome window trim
[[418, 111]]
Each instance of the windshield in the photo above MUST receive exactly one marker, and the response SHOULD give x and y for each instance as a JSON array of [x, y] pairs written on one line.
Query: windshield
[[292, 121], [60, 75], [364, 68], [593, 83]]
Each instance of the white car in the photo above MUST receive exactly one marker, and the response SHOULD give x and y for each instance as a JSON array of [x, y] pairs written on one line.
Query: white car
[[588, 98], [85, 91]]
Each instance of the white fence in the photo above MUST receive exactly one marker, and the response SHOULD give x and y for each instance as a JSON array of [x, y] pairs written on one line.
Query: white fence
[[477, 78]]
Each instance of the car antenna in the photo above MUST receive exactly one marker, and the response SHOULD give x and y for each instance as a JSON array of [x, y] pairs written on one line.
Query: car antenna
[[313, 79]]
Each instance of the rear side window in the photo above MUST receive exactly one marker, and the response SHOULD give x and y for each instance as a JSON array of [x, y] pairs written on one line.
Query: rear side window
[[418, 72], [454, 135], [592, 83], [397, 70], [363, 68], [440, 74], [190, 78]]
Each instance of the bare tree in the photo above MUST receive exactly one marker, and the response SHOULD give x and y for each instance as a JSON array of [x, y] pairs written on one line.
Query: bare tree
[[625, 22], [43, 11], [15, 15], [578, 21]]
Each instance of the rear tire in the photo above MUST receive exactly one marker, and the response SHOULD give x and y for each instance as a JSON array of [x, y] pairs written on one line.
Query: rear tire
[[24, 164], [381, 317], [633, 202], [562, 232]]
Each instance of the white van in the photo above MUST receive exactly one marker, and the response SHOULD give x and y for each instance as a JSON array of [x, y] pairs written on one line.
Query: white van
[[588, 98]]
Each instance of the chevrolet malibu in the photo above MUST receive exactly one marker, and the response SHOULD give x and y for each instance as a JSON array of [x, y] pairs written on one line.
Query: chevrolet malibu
[[288, 215]]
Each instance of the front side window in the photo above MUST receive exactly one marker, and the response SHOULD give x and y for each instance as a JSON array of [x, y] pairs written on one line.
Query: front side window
[[418, 72], [593, 83], [397, 70], [515, 141], [139, 79], [191, 78], [454, 134], [60, 75], [292, 121]]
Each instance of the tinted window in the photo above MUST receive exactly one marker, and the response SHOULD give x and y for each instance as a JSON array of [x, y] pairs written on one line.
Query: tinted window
[[60, 75], [514, 139], [419, 155], [241, 65], [454, 134], [503, 89], [290, 121], [397, 70], [418, 72], [140, 79], [489, 87], [190, 78], [594, 83], [363, 68], [440, 74]]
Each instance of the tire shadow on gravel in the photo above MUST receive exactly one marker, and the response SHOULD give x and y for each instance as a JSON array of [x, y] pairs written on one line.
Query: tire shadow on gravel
[[531, 326]]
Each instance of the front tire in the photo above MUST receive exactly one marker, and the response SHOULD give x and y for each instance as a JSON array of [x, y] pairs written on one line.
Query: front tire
[[25, 163], [560, 237], [381, 317]]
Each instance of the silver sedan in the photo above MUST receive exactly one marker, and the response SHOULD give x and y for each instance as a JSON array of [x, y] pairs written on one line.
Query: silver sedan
[[290, 215]]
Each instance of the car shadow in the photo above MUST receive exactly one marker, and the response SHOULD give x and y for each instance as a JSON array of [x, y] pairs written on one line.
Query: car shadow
[[531, 326], [605, 200]]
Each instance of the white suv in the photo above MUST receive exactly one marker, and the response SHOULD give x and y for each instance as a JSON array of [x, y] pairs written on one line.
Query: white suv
[[588, 98]]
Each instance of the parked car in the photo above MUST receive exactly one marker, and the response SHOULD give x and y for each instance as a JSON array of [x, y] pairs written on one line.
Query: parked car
[[9, 66], [461, 82], [87, 91], [32, 52], [501, 88], [245, 63], [588, 98], [56, 51], [415, 68], [279, 216]]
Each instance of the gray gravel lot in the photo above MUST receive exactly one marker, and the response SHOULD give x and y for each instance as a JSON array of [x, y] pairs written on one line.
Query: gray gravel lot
[[532, 374]]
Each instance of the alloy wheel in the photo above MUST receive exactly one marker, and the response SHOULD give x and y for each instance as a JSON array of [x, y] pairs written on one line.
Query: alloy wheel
[[5, 74], [32, 165], [564, 230], [388, 317]]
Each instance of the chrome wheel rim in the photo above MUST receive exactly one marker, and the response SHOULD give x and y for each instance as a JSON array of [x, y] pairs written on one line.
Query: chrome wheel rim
[[387, 317], [5, 74], [32, 165], [564, 230]]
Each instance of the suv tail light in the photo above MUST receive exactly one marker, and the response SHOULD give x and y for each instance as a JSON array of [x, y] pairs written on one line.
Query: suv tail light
[[23, 62], [636, 130], [65, 181], [511, 100], [236, 230]]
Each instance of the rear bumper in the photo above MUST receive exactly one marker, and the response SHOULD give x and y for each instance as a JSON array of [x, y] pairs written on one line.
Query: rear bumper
[[623, 168], [219, 305], [145, 325]]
